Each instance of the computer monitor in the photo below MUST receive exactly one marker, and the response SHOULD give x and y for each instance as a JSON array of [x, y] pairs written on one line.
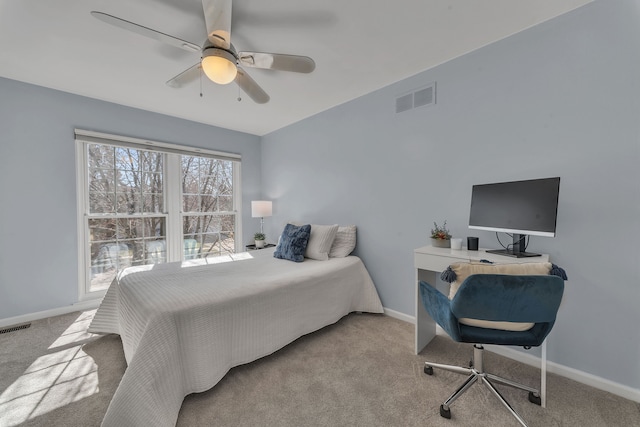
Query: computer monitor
[[518, 207]]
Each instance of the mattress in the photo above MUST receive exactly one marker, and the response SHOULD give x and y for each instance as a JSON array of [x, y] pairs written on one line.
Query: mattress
[[184, 325]]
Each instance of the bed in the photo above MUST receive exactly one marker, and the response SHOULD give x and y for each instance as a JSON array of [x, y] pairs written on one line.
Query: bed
[[184, 325]]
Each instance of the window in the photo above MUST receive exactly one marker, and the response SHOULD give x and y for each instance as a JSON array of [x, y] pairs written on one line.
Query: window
[[207, 192], [142, 203]]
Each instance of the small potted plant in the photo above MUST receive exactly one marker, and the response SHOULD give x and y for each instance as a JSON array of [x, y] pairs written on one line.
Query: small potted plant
[[440, 236], [259, 240]]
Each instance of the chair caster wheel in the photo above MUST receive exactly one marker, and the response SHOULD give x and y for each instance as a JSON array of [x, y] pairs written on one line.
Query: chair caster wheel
[[445, 413], [428, 370], [535, 399]]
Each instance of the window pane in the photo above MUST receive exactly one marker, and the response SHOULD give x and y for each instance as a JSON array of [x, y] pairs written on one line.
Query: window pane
[[227, 244], [154, 227], [101, 179], [136, 251], [127, 180], [151, 161], [130, 228], [198, 224], [101, 202], [117, 243], [106, 260], [156, 251], [152, 182], [213, 233], [225, 203], [101, 230], [129, 203], [139, 174], [100, 156], [208, 203], [152, 203], [209, 185], [190, 226], [127, 159], [189, 163], [203, 181], [191, 249], [210, 245], [190, 202]]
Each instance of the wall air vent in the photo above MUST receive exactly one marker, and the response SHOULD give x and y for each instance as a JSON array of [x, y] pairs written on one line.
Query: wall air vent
[[423, 97], [417, 98], [404, 103], [14, 328]]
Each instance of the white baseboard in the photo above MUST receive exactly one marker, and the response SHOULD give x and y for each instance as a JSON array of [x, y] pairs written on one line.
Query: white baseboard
[[398, 315], [555, 368], [571, 373], [79, 306]]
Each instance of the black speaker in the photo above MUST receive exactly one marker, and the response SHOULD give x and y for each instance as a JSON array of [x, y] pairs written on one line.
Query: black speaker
[[472, 243]]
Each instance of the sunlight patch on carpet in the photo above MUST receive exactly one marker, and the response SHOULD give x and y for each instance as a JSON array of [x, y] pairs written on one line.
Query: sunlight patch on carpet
[[63, 376]]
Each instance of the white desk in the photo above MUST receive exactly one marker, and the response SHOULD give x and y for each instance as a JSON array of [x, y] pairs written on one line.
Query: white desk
[[429, 263]]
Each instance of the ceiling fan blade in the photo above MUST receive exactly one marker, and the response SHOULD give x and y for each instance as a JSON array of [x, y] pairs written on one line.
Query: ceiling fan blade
[[187, 76], [251, 88], [217, 16], [277, 61], [147, 32]]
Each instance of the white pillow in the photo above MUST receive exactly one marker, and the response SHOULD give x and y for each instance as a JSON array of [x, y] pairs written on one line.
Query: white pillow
[[320, 240], [344, 242]]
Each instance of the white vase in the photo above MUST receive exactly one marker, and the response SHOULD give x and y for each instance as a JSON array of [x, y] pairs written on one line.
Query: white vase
[[441, 243], [259, 244]]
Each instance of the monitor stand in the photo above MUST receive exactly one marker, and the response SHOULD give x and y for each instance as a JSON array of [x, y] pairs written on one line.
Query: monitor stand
[[518, 248], [509, 252]]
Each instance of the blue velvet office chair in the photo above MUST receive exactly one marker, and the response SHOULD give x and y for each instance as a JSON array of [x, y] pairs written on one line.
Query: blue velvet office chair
[[494, 297]]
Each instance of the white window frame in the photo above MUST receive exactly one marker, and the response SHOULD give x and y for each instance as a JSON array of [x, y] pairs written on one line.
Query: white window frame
[[172, 194]]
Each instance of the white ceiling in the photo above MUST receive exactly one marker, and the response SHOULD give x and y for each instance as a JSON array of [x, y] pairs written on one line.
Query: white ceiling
[[358, 46]]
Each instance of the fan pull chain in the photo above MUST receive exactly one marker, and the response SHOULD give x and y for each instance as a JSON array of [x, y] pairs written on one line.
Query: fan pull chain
[[200, 82], [239, 97]]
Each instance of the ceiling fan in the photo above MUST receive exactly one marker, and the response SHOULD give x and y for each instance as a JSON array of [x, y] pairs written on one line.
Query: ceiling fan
[[219, 59]]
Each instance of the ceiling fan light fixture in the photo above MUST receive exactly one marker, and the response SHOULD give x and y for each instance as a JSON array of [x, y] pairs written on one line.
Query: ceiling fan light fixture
[[219, 65]]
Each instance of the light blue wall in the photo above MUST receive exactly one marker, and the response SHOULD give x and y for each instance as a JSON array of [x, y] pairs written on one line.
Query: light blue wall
[[560, 99], [38, 238]]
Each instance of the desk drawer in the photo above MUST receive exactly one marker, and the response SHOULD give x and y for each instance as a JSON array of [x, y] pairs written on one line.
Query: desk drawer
[[434, 262]]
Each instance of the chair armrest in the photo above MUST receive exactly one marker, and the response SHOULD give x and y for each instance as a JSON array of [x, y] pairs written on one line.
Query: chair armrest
[[439, 308]]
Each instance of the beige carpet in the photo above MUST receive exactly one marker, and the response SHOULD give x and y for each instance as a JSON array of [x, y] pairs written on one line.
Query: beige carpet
[[359, 372]]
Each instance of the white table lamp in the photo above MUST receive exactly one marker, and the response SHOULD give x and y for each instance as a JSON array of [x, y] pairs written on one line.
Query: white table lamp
[[260, 209]]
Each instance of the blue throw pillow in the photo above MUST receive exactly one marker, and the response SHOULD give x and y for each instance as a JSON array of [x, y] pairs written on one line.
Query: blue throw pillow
[[293, 242]]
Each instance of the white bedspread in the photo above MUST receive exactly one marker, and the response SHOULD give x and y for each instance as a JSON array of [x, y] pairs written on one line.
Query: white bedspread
[[184, 325]]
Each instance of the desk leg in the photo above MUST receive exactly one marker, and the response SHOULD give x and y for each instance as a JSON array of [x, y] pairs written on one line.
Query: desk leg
[[543, 375], [425, 325]]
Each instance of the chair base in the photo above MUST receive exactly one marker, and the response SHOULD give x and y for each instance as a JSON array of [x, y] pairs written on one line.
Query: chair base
[[476, 373]]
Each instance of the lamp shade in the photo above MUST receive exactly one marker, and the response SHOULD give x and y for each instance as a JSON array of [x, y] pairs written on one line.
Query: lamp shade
[[260, 208], [219, 65]]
